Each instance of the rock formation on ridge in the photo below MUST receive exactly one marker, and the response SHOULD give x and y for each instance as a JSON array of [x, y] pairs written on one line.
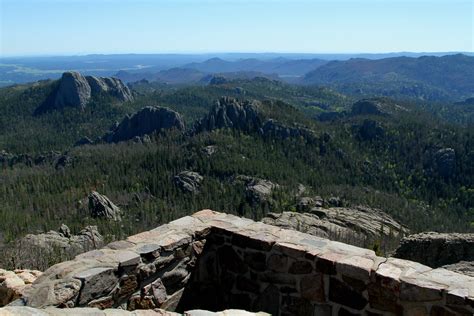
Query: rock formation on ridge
[[76, 90], [148, 120]]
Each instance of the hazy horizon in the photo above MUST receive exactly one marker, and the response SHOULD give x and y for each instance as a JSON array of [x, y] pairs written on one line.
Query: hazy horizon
[[83, 27]]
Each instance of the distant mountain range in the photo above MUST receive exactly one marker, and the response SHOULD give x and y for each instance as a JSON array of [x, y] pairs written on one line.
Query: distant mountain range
[[28, 69], [426, 77]]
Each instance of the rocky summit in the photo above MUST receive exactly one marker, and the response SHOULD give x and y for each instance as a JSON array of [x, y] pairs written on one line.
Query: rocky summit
[[76, 90], [148, 120]]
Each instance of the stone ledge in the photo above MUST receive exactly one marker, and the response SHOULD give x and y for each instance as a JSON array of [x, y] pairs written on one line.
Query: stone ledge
[[262, 255]]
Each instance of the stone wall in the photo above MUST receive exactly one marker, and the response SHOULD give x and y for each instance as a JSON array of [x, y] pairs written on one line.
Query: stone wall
[[216, 261]]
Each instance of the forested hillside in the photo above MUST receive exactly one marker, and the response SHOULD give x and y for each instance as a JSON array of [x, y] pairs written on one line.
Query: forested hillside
[[405, 158]]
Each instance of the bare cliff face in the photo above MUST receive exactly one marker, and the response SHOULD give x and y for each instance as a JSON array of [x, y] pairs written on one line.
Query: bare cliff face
[[247, 116], [76, 90], [148, 120]]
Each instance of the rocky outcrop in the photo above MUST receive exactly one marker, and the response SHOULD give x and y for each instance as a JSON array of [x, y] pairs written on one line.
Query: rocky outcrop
[[370, 130], [360, 226], [274, 129], [41, 250], [188, 181], [73, 90], [437, 249], [245, 116], [215, 260], [53, 158], [444, 161], [209, 150], [367, 107], [14, 283], [376, 106], [76, 90], [148, 120], [101, 207], [257, 190], [109, 86], [463, 267], [231, 113]]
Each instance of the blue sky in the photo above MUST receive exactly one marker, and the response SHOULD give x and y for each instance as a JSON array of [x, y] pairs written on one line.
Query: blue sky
[[48, 27]]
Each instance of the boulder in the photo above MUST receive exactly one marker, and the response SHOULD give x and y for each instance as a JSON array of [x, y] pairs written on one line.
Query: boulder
[[188, 181], [360, 226], [306, 203], [14, 283], [437, 249], [257, 190], [209, 150], [101, 207], [148, 120]]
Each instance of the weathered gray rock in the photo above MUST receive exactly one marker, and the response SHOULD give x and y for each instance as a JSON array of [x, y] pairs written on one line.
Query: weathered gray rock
[[188, 181], [95, 283], [437, 249], [76, 90], [358, 226], [463, 267], [110, 86], [274, 129], [257, 190], [41, 250], [148, 120], [231, 113], [14, 283], [73, 90], [209, 150], [100, 206]]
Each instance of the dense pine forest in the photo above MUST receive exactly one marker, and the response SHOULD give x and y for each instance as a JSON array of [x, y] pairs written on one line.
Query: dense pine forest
[[412, 159]]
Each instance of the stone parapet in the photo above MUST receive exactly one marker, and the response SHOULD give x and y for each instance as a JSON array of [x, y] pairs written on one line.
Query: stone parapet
[[216, 261]]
